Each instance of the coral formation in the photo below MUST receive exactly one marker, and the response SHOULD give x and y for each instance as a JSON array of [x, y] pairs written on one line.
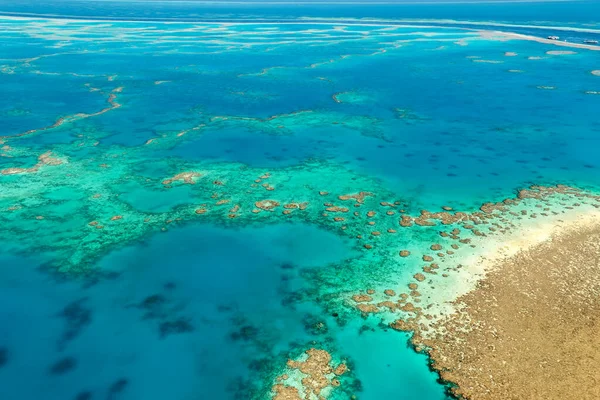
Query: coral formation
[[319, 375]]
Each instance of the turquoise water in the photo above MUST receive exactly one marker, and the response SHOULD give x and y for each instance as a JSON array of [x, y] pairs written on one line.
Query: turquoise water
[[121, 279]]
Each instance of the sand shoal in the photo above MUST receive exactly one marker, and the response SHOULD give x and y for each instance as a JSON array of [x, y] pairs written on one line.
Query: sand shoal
[[503, 36]]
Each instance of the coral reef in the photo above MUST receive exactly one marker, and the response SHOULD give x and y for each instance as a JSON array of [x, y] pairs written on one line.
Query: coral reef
[[318, 374], [185, 177]]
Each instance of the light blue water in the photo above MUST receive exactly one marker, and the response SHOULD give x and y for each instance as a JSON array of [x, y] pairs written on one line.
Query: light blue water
[[214, 310]]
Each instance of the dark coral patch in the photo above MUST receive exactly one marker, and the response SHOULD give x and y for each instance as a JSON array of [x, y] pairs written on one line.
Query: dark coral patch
[[178, 326], [152, 301], [76, 317], [63, 366], [287, 266], [314, 325], [86, 395], [245, 333], [117, 388], [3, 356]]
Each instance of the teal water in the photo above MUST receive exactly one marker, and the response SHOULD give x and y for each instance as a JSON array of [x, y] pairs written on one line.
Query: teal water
[[180, 315], [113, 284]]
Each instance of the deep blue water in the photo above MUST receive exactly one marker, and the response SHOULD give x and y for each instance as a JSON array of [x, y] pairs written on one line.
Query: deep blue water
[[568, 12]]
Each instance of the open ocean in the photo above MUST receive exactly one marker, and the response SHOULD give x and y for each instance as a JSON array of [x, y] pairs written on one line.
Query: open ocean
[[173, 178]]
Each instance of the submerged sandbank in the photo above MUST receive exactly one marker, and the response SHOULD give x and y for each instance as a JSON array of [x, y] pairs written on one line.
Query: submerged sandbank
[[560, 52], [503, 36]]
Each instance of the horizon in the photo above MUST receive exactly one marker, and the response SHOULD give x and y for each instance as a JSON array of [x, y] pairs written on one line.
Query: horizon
[[302, 2]]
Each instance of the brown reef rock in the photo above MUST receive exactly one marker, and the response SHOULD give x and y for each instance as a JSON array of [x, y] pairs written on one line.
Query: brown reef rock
[[319, 372], [267, 205], [186, 177]]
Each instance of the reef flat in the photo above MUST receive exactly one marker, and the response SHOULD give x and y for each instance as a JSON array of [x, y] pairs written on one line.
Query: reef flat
[[530, 328], [445, 304], [247, 211]]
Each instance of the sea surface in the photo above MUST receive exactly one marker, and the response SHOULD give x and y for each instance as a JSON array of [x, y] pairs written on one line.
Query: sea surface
[[169, 173]]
